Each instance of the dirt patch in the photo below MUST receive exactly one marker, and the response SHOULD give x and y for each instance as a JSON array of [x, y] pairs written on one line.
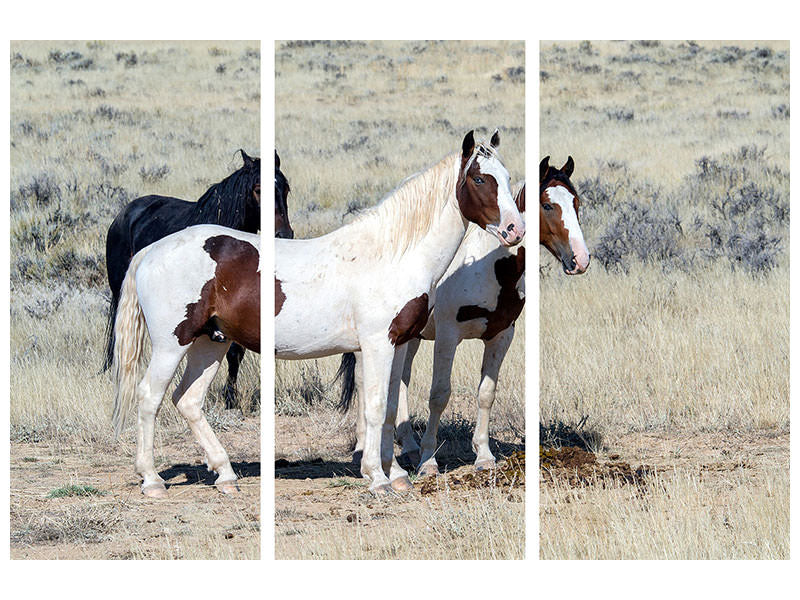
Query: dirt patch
[[510, 473], [53, 518], [578, 467], [707, 454]]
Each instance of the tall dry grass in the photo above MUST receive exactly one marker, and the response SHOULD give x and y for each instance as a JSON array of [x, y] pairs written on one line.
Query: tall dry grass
[[681, 324], [93, 126]]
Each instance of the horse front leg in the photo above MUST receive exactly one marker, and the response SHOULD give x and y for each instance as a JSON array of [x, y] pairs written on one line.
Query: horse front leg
[[397, 475], [361, 423], [202, 363], [494, 351], [377, 356], [404, 431]]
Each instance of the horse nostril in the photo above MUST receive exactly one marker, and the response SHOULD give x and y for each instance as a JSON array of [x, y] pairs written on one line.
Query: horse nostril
[[504, 234], [510, 227]]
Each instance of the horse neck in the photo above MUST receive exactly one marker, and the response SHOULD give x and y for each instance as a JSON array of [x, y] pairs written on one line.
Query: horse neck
[[225, 203]]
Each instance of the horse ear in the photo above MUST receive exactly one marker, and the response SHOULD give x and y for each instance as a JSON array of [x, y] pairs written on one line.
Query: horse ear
[[277, 160], [495, 142], [247, 160], [468, 145], [543, 166], [568, 167]]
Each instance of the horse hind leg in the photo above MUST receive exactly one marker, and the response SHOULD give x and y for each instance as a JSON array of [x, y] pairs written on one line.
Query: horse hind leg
[[150, 393], [202, 363], [494, 352], [235, 356]]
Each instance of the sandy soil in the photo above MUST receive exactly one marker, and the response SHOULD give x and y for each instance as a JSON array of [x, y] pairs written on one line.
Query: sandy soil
[[318, 489], [703, 495], [195, 521]]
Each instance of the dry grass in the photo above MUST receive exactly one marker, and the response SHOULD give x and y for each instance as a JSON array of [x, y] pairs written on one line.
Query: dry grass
[[681, 325], [93, 126], [483, 524], [353, 120]]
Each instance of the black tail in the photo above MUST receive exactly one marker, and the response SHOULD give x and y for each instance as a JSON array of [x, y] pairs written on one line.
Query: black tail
[[347, 370], [108, 358]]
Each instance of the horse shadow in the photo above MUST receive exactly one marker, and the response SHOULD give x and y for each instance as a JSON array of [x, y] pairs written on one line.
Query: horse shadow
[[199, 474], [448, 460]]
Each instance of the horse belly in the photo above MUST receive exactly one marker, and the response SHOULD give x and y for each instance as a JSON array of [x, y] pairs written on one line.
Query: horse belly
[[312, 321]]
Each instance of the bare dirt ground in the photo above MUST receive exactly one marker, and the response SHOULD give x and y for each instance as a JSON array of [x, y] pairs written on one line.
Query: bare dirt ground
[[709, 495], [323, 508], [114, 520]]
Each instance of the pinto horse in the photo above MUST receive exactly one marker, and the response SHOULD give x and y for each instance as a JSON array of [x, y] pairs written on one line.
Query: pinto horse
[[559, 225], [233, 202], [180, 290], [480, 296], [369, 285]]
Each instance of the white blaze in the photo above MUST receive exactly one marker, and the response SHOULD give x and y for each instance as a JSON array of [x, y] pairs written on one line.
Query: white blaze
[[562, 197]]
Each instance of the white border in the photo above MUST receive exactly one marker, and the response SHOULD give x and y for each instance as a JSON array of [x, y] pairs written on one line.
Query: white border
[[268, 21]]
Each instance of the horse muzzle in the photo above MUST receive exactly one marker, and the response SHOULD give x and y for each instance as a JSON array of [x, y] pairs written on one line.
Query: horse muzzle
[[575, 264], [509, 234]]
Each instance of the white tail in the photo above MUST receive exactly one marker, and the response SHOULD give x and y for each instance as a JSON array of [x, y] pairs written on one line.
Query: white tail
[[129, 333]]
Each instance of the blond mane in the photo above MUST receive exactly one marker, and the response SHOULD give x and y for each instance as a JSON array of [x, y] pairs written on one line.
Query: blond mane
[[408, 212]]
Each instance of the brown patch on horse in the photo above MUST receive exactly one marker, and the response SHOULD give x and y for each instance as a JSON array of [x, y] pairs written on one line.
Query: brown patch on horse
[[478, 202], [410, 321], [231, 299], [508, 271], [519, 199], [280, 297]]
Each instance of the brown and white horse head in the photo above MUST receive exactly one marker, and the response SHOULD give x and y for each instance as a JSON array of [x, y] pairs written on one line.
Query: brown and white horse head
[[484, 191], [282, 227], [559, 224]]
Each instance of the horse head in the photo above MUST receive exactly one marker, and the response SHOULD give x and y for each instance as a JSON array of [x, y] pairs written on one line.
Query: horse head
[[559, 225], [282, 227], [484, 191]]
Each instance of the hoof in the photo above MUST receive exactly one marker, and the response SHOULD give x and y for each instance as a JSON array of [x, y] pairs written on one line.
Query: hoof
[[228, 487], [412, 458], [155, 490], [428, 470], [485, 465], [402, 484], [382, 489]]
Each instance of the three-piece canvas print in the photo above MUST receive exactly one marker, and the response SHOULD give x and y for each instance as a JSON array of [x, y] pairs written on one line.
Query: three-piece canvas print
[[398, 326]]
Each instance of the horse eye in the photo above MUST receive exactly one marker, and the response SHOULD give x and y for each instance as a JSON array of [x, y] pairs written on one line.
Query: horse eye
[[477, 180], [547, 206]]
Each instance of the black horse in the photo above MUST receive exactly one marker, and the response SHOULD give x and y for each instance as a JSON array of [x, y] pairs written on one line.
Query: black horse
[[233, 202], [282, 227]]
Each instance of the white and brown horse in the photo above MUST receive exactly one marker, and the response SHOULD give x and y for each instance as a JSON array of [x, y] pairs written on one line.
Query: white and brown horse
[[559, 225], [194, 292], [480, 296], [369, 285]]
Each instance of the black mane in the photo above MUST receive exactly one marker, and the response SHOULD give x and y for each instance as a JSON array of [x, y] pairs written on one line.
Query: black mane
[[554, 174], [225, 203]]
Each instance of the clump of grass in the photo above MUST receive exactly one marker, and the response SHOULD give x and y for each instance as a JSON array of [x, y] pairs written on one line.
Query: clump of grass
[[154, 174], [84, 524], [75, 490]]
